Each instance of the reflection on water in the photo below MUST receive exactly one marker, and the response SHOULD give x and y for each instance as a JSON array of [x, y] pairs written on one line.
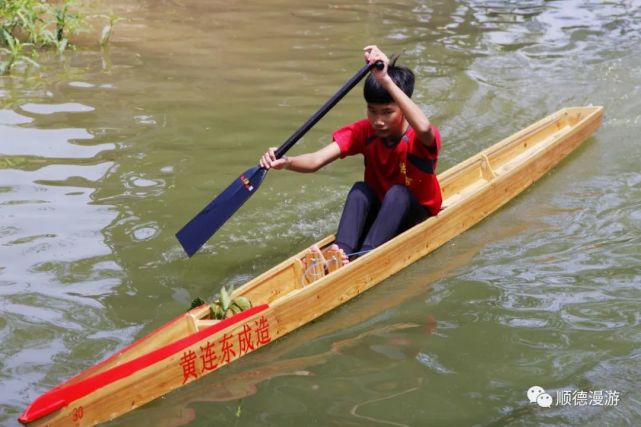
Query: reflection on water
[[110, 152], [55, 266]]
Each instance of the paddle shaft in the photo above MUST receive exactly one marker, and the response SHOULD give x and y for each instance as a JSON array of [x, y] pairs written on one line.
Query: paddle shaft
[[280, 152], [197, 231]]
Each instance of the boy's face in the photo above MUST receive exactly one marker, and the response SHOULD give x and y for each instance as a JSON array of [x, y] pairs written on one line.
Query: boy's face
[[387, 119]]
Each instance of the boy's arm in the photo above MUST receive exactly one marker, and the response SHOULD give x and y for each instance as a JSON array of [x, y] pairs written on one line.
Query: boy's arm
[[412, 112], [309, 162]]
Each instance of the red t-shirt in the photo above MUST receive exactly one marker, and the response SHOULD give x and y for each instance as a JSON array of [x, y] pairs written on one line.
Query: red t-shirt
[[407, 162]]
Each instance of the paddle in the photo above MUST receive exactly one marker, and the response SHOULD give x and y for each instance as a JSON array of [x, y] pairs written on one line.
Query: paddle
[[197, 231]]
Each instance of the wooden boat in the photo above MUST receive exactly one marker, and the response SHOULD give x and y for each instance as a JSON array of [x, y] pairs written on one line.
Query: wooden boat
[[295, 292]]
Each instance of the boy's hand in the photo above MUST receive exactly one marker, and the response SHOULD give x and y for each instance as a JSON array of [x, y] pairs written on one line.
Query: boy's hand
[[374, 54], [268, 160]]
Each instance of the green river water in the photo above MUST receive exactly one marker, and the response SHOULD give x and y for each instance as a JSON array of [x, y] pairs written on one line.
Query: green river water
[[106, 154]]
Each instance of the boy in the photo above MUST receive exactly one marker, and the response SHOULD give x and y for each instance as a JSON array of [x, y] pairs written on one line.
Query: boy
[[401, 149]]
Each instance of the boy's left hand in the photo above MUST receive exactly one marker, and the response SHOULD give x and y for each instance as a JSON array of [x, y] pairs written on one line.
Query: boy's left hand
[[374, 54]]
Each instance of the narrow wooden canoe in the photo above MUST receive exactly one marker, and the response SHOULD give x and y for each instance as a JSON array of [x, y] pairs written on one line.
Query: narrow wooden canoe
[[287, 296]]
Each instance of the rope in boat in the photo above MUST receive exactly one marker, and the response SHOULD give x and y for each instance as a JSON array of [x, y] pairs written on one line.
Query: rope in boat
[[359, 253], [311, 269]]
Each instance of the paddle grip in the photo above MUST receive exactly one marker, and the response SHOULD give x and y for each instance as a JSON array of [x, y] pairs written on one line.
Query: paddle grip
[[293, 139]]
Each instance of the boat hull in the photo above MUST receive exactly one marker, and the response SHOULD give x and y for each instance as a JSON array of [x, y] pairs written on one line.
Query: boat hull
[[193, 346]]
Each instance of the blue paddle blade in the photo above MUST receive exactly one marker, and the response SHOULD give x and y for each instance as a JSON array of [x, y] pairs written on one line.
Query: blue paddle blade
[[197, 231]]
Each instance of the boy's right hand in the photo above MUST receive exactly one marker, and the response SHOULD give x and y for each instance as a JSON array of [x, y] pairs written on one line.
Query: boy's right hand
[[372, 55], [269, 161]]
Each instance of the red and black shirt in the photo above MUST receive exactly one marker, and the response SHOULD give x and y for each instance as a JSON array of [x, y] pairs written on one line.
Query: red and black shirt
[[407, 162]]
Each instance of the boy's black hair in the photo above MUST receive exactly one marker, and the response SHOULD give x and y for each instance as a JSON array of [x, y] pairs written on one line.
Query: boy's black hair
[[402, 76]]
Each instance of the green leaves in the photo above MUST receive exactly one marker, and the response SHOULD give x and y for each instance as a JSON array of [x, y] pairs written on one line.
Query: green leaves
[[243, 303], [226, 306], [108, 29], [21, 28], [224, 298], [217, 311], [13, 53], [197, 302], [36, 25], [105, 35]]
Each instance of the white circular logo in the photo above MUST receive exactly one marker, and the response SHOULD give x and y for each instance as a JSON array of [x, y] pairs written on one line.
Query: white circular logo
[[536, 394], [544, 400]]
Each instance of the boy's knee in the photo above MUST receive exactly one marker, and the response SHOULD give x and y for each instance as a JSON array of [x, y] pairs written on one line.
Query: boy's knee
[[398, 194], [361, 190], [361, 187]]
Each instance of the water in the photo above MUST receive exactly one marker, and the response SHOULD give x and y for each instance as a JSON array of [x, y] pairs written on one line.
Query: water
[[104, 155]]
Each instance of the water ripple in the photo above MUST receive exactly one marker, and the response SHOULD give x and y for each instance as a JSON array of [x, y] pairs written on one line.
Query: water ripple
[[68, 107], [575, 268]]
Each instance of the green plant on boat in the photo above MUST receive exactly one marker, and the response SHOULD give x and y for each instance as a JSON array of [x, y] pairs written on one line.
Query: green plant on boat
[[197, 302], [225, 306]]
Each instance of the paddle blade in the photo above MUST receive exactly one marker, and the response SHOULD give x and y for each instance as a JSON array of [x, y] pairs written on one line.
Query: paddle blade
[[197, 231]]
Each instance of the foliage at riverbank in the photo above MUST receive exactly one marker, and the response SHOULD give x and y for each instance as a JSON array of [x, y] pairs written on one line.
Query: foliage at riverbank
[[28, 27]]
